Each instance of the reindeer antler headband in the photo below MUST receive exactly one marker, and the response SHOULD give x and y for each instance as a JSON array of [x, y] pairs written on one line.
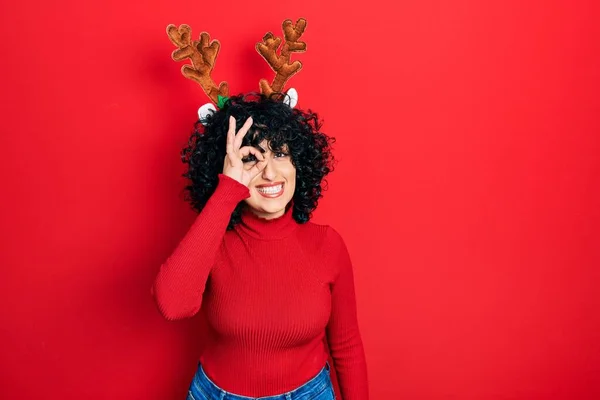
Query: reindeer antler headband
[[203, 54]]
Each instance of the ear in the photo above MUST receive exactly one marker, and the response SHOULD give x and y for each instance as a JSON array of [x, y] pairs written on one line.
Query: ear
[[204, 111], [291, 98]]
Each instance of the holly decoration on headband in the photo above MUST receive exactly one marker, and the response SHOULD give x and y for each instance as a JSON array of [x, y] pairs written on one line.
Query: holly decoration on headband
[[203, 54], [222, 100]]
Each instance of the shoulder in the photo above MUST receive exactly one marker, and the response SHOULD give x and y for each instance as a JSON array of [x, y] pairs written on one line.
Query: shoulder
[[324, 236], [327, 245]]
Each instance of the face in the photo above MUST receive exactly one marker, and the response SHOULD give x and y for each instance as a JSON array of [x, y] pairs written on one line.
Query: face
[[273, 188]]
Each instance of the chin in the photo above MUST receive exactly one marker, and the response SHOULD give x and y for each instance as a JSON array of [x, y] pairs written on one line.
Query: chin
[[273, 206]]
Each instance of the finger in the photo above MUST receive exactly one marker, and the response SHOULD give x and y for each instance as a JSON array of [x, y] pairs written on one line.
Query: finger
[[246, 150], [231, 159], [257, 168], [242, 132], [230, 135]]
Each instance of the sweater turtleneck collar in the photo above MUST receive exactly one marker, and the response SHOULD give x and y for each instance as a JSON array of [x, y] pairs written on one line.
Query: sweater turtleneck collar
[[267, 229]]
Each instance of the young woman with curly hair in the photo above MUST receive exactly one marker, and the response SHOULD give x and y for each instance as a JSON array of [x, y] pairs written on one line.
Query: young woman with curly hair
[[273, 285]]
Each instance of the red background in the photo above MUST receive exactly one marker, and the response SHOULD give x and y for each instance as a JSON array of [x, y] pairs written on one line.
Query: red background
[[467, 189]]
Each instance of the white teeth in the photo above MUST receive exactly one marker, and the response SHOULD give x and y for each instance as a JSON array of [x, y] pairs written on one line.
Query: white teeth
[[270, 190]]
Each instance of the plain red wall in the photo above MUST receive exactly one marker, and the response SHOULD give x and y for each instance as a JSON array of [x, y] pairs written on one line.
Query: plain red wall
[[467, 190]]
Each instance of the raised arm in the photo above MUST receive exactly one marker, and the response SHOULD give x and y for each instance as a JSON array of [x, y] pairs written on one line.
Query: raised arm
[[180, 283]]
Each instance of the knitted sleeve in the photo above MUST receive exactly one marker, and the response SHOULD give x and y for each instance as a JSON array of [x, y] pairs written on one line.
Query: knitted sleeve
[[343, 333], [181, 280]]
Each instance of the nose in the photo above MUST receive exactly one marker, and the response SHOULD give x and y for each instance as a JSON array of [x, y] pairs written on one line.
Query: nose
[[269, 173]]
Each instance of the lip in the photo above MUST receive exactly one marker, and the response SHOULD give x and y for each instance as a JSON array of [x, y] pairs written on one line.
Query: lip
[[271, 196], [264, 185]]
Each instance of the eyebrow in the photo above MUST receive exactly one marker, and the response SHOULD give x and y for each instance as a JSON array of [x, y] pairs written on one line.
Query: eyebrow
[[284, 148]]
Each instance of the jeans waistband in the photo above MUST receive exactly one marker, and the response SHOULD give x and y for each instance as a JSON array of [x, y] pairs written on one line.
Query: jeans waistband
[[314, 385]]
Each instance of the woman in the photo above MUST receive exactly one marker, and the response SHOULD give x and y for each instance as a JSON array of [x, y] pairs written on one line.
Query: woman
[[273, 285]]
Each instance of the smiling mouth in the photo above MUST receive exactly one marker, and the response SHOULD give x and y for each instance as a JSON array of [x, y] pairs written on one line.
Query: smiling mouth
[[270, 192]]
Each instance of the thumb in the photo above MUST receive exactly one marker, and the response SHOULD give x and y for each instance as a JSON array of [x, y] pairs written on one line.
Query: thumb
[[258, 168]]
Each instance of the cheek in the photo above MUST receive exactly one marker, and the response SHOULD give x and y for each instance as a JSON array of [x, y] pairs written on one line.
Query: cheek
[[292, 184], [290, 170], [291, 176]]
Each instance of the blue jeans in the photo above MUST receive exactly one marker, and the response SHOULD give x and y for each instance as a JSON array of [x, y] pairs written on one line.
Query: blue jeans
[[317, 388]]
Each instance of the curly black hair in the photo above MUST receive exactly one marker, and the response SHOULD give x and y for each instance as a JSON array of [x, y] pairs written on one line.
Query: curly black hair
[[278, 123]]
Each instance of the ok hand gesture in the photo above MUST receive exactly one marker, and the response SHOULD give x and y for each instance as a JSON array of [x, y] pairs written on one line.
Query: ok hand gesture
[[233, 165]]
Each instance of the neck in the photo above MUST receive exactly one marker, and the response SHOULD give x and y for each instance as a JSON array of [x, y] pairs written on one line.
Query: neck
[[267, 226]]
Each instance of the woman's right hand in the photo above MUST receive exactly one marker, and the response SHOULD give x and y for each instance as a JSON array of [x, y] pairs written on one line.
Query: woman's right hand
[[233, 165]]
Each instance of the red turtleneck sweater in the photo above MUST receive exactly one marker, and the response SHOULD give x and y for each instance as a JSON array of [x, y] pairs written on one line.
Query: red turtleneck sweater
[[272, 291]]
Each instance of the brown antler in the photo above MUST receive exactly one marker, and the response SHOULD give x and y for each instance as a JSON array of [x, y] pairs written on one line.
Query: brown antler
[[281, 64], [203, 55]]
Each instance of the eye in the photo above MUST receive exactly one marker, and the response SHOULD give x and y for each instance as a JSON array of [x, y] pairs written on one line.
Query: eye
[[249, 158], [280, 154]]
